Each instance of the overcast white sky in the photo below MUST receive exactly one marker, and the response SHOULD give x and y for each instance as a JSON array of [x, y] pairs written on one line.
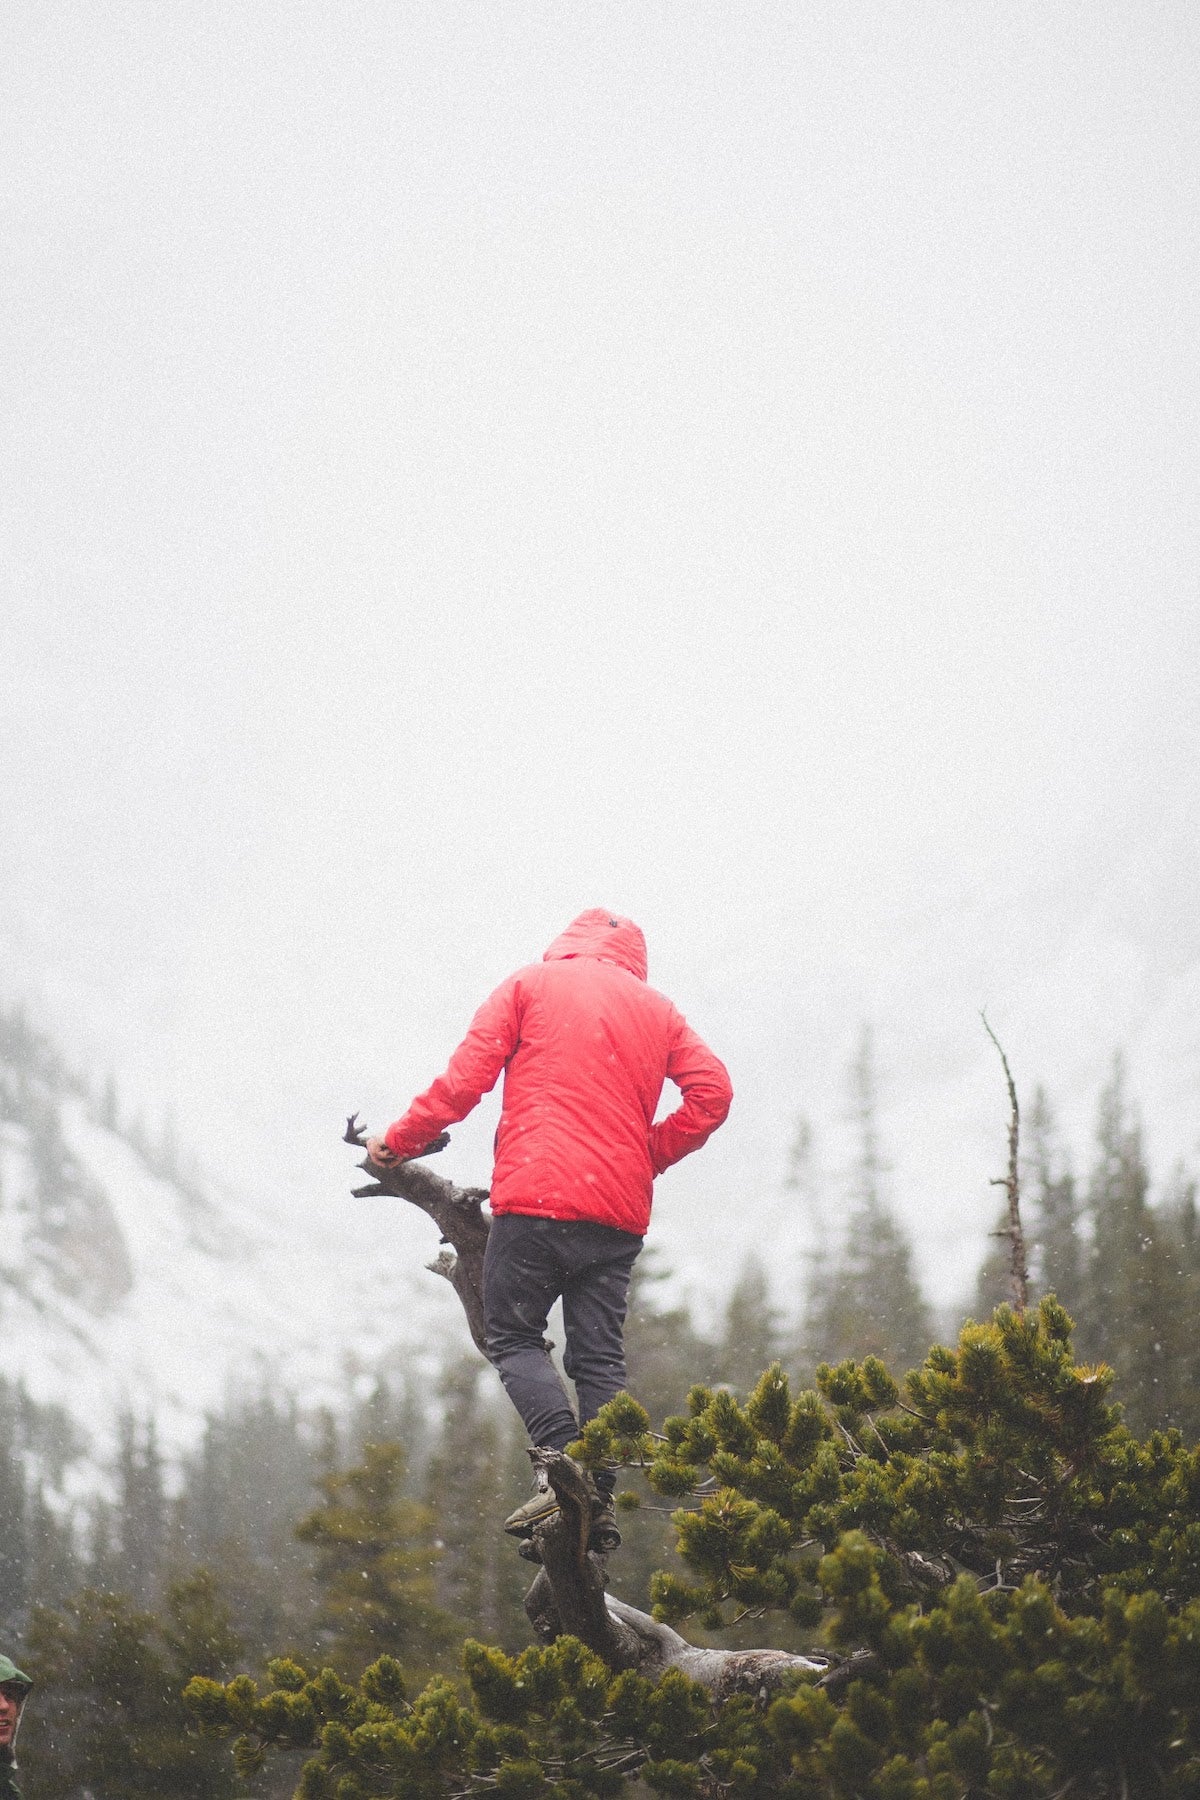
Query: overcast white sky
[[463, 463]]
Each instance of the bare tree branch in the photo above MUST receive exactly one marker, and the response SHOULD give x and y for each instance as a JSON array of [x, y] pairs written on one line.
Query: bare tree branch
[[1018, 1275], [457, 1213]]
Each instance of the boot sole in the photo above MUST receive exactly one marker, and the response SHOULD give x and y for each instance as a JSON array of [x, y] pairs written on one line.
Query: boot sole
[[522, 1522]]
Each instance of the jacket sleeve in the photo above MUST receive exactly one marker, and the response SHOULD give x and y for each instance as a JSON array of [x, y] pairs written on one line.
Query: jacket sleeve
[[472, 1072], [703, 1080]]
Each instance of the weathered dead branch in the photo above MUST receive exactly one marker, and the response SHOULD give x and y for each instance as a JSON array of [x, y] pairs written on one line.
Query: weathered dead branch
[[457, 1213], [1018, 1273]]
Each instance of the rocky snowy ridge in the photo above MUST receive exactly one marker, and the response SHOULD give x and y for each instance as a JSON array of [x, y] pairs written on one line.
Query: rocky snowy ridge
[[126, 1282]]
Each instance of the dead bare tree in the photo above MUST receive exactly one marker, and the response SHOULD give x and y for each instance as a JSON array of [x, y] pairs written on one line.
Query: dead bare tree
[[457, 1213], [569, 1593], [1018, 1274]]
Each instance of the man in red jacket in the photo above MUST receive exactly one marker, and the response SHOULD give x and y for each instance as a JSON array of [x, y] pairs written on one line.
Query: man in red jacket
[[585, 1046]]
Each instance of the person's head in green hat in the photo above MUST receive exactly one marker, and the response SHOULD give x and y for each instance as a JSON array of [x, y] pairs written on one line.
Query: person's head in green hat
[[13, 1688]]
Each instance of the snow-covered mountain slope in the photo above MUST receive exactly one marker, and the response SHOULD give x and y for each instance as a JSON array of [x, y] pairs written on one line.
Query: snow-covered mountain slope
[[125, 1282]]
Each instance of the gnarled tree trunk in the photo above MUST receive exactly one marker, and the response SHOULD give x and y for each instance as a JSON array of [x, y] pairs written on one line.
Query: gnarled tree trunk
[[568, 1595]]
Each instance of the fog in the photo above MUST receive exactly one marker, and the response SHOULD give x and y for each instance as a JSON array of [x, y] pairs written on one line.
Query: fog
[[462, 464]]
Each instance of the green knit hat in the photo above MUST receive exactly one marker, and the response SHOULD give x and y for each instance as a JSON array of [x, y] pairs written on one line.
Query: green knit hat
[[9, 1672]]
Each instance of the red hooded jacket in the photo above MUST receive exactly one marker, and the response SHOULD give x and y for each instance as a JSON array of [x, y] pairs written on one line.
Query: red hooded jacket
[[585, 1046]]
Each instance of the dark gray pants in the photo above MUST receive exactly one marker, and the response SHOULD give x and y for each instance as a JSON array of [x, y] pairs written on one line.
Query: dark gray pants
[[529, 1263]]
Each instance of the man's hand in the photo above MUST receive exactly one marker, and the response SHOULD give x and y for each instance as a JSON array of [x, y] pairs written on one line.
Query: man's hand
[[385, 1158]]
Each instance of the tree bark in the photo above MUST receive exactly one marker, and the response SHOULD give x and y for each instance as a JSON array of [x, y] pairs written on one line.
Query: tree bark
[[457, 1213]]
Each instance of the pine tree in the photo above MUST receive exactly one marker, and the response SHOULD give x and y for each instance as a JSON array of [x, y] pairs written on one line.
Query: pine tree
[[375, 1562], [1007, 1578], [102, 1552], [54, 1564], [664, 1349], [110, 1718], [38, 1553], [866, 1299], [1130, 1290], [801, 1178], [1059, 1252], [804, 1184], [15, 1557], [1180, 1222], [248, 1481], [993, 1280], [817, 1260], [393, 1412], [476, 1471], [752, 1337], [1127, 1270], [142, 1511]]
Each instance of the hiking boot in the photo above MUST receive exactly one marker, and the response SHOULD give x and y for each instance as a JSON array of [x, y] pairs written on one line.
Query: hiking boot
[[542, 1505], [603, 1538], [604, 1535]]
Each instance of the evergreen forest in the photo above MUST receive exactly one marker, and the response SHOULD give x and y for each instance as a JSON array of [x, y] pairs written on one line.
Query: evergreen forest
[[334, 1576]]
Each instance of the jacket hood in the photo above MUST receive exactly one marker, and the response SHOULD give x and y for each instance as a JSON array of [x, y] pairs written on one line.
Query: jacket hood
[[605, 936]]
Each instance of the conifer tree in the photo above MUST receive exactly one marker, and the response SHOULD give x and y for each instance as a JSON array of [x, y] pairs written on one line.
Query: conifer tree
[[38, 1553], [101, 1550], [1130, 1288], [248, 1481], [14, 1535], [1127, 1270], [993, 1279], [110, 1719], [141, 1511], [664, 1348], [866, 1300], [375, 1560], [1054, 1232], [1051, 1223], [1008, 1581], [752, 1337], [54, 1564], [392, 1412], [475, 1469], [1180, 1223], [801, 1178]]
